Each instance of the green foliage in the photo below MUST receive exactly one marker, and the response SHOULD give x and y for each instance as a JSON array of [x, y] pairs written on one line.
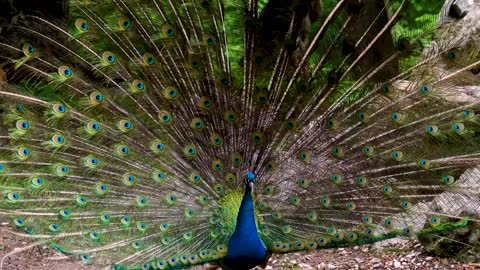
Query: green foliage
[[418, 9]]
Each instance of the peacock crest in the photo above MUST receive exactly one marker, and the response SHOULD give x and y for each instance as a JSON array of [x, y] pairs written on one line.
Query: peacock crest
[[167, 134]]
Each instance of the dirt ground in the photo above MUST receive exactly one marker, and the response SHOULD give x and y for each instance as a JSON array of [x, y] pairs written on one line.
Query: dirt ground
[[17, 253]]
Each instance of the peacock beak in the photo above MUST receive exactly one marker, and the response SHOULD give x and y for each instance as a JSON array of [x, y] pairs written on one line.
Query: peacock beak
[[251, 185]]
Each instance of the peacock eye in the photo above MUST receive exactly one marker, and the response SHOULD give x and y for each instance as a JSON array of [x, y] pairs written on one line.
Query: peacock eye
[[137, 86], [24, 153], [85, 257], [53, 227], [432, 129], [368, 150], [448, 180], [331, 124], [385, 90], [210, 41], [19, 107], [59, 110], [12, 197], [165, 117], [22, 125], [36, 182], [124, 24], [262, 98], [58, 140], [65, 72], [468, 114], [122, 150], [81, 25], [92, 128], [168, 30], [28, 50], [458, 128], [426, 89], [452, 55], [109, 58]]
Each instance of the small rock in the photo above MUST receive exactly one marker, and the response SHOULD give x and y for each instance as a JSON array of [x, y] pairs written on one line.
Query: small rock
[[413, 254], [396, 264], [305, 266]]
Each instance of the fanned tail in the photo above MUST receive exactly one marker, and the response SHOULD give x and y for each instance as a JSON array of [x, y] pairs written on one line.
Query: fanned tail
[[131, 131]]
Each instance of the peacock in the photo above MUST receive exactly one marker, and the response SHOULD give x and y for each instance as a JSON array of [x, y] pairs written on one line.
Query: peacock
[[163, 134]]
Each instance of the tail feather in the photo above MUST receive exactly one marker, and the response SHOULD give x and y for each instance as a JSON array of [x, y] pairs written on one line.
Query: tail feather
[[129, 134]]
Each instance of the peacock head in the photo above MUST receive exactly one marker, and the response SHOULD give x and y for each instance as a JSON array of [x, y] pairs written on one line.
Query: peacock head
[[250, 179]]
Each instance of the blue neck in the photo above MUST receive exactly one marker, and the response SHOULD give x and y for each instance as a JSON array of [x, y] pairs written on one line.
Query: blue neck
[[245, 249]]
